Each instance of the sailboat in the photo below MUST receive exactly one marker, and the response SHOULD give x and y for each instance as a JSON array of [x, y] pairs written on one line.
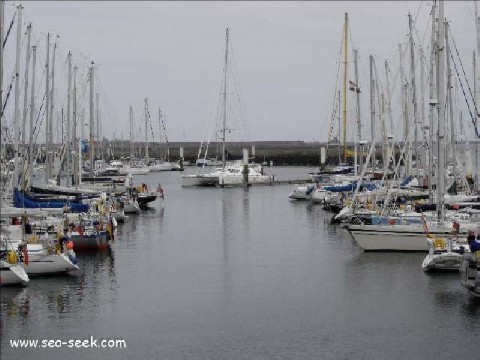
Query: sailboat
[[229, 173], [212, 178]]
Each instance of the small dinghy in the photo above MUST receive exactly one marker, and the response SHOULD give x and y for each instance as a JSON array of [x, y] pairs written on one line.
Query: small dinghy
[[444, 254]]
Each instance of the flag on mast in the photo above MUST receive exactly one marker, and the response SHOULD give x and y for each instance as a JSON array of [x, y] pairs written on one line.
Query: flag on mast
[[354, 87]]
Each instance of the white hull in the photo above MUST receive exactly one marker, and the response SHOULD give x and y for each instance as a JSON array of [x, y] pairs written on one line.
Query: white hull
[[120, 216], [49, 264], [318, 196], [447, 261], [130, 208], [12, 274], [301, 192], [393, 237], [199, 180], [445, 255], [166, 166], [225, 180], [137, 171]]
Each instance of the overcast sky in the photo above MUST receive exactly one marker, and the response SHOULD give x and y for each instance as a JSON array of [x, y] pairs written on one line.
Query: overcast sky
[[286, 56]]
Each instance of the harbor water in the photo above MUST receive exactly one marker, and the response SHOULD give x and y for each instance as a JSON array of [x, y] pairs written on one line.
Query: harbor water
[[242, 273]]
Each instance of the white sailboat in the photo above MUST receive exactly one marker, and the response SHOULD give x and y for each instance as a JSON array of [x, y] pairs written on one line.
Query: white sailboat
[[12, 274], [42, 259], [228, 174]]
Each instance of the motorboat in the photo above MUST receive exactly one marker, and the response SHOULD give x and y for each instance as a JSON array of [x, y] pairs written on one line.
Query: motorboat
[[302, 192], [164, 166], [129, 169], [234, 175], [318, 195], [444, 254], [130, 206], [204, 179]]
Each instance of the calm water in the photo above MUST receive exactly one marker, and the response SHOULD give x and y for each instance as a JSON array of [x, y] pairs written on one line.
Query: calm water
[[243, 274]]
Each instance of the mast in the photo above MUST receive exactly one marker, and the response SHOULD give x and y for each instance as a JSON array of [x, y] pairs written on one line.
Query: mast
[[16, 137], [476, 82], [390, 117], [414, 92], [477, 77], [359, 123], [32, 108], [160, 131], [47, 113], [69, 132], [97, 135], [76, 148], [372, 110], [25, 107], [384, 134], [131, 132], [52, 102], [146, 131], [406, 134], [441, 117], [339, 128], [92, 122], [164, 120], [80, 155], [422, 112], [225, 100], [433, 102], [475, 86], [2, 18], [345, 75], [82, 127], [450, 106], [381, 114]]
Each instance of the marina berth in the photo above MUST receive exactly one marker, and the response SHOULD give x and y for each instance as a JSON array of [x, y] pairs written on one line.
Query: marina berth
[[362, 242]]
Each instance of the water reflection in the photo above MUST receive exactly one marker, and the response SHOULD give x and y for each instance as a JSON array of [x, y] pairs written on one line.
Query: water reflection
[[226, 229], [82, 293], [471, 308]]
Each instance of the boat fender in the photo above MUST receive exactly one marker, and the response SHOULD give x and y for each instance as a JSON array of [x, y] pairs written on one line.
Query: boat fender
[[12, 257], [440, 243]]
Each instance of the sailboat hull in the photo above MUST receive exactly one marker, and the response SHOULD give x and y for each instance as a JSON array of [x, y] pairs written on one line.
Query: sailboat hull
[[12, 275], [394, 237], [50, 264]]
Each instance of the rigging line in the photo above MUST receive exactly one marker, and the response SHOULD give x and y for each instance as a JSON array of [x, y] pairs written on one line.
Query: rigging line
[[465, 75], [237, 90], [465, 97], [334, 100], [38, 118], [9, 29], [6, 98], [150, 121]]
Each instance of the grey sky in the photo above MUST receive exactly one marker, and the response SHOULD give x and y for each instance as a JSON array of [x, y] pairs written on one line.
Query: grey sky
[[172, 52]]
